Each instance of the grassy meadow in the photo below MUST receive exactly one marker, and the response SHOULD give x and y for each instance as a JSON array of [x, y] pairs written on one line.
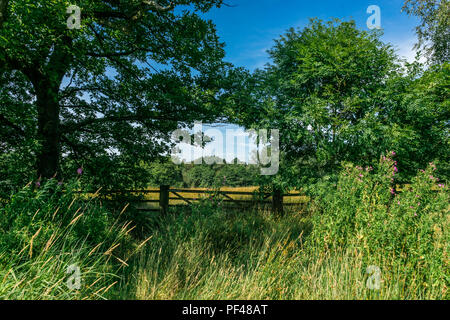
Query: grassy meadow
[[357, 239]]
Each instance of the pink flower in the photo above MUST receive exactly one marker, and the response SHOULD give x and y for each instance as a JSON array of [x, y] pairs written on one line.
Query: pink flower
[[80, 171], [441, 186], [398, 202], [395, 169], [38, 184], [392, 191]]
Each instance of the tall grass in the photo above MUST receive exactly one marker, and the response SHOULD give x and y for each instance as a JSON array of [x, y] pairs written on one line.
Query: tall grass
[[208, 252], [323, 253], [48, 238]]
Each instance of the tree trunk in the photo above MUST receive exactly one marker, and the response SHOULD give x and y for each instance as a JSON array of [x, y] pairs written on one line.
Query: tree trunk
[[48, 130]]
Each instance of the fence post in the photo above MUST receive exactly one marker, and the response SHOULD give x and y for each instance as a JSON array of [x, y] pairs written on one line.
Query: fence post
[[164, 199], [277, 202]]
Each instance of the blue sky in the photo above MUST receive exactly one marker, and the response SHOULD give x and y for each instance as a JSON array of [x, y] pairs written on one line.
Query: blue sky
[[250, 26]]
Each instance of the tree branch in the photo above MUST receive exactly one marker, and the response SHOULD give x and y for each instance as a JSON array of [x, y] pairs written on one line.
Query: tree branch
[[154, 6], [71, 127], [4, 121]]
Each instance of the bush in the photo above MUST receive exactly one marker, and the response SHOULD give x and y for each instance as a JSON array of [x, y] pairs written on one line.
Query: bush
[[404, 232]]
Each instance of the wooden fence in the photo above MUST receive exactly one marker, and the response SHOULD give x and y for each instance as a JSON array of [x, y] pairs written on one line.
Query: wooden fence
[[274, 199]]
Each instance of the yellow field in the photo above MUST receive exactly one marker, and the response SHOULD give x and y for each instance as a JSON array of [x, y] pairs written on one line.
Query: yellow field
[[191, 195]]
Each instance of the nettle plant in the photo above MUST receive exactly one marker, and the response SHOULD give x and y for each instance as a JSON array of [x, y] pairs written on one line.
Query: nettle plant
[[365, 212]]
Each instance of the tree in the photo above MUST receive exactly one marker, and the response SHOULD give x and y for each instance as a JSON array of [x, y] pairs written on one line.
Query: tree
[[434, 30], [321, 86], [165, 173], [112, 90], [416, 118]]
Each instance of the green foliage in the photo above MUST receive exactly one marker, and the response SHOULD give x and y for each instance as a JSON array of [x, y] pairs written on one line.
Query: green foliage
[[405, 231], [44, 230], [321, 92], [207, 253], [323, 253], [110, 93], [201, 176], [434, 30], [237, 175], [165, 173], [340, 94]]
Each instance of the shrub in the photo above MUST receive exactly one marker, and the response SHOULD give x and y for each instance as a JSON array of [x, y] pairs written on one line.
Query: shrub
[[405, 231]]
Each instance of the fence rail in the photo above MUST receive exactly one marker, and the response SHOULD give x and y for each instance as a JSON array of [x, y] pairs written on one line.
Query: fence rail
[[166, 194]]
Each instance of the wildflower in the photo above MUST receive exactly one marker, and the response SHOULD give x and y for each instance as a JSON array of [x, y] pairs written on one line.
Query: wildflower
[[80, 171], [361, 175], [393, 153], [392, 191], [398, 202], [395, 169], [440, 185], [38, 184], [415, 214], [418, 204]]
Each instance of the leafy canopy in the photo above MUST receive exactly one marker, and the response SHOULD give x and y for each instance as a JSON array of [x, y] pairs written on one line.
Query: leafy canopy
[[107, 94]]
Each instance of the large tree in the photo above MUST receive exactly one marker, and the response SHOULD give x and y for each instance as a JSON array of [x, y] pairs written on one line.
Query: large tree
[[434, 29], [320, 92], [115, 88]]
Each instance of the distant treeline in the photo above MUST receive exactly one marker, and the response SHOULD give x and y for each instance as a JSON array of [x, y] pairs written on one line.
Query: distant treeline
[[231, 174]]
